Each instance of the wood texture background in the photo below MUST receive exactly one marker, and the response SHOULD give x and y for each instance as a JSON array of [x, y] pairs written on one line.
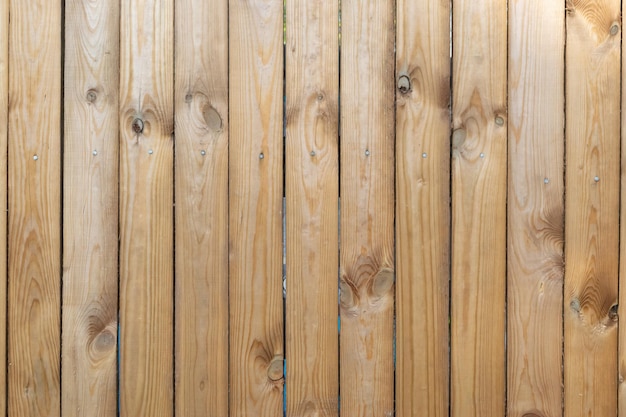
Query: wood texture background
[[449, 174], [312, 198], [34, 204], [146, 125], [255, 207], [422, 208], [479, 166], [535, 208], [90, 209], [201, 102]]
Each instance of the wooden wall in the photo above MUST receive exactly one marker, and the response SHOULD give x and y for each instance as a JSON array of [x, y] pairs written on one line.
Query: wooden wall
[[437, 184]]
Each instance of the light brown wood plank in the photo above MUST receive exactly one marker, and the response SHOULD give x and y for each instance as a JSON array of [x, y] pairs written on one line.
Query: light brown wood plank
[[255, 207], [90, 208], [312, 192], [622, 261], [422, 208], [34, 269], [535, 208], [201, 208], [146, 207], [479, 167], [592, 207], [367, 208], [4, 113]]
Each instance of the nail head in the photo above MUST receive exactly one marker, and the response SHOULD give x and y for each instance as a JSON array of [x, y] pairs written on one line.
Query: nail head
[[367, 152], [150, 151], [482, 155], [261, 156], [94, 152], [312, 153], [596, 179], [203, 152], [35, 157], [546, 180], [424, 155]]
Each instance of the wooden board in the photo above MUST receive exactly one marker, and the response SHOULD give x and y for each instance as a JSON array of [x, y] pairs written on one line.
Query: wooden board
[[90, 209], [622, 261], [535, 208], [4, 113], [422, 208], [312, 192], [367, 208], [146, 208], [479, 169], [201, 208], [255, 207], [592, 207], [34, 296]]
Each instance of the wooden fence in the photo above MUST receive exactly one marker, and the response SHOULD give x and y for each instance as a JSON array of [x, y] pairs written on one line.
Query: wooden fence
[[452, 168]]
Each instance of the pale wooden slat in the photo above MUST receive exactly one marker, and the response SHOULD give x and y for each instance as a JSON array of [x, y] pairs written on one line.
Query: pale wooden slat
[[34, 259], [422, 207], [4, 95], [90, 208], [367, 208], [622, 261], [479, 168], [146, 208], [201, 104], [312, 191], [592, 207], [535, 208], [255, 207]]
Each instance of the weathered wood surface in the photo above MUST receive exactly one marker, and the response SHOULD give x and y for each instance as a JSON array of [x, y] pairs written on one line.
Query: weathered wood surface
[[34, 259], [422, 207], [535, 208], [201, 102], [255, 207], [146, 208], [479, 168], [312, 192], [367, 273], [592, 207]]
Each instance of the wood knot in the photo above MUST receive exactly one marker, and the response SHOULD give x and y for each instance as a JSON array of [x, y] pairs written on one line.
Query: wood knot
[[613, 312], [91, 95], [275, 369], [137, 125], [404, 84], [383, 282], [212, 118]]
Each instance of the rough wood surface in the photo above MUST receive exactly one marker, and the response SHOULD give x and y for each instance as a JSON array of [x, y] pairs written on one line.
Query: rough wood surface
[[90, 209], [592, 207], [422, 208], [34, 299], [622, 260], [4, 108], [312, 191], [201, 102], [367, 208], [146, 208], [479, 167], [255, 208], [535, 208]]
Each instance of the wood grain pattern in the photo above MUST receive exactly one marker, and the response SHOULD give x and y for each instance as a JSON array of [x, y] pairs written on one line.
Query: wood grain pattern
[[146, 208], [4, 110], [90, 209], [201, 101], [622, 255], [255, 207], [312, 192], [367, 208], [535, 208], [592, 207], [479, 161], [422, 208], [34, 267]]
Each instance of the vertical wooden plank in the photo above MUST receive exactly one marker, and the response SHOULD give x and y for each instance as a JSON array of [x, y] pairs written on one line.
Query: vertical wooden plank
[[367, 208], [535, 215], [592, 207], [312, 192], [146, 207], [622, 238], [479, 169], [422, 207], [201, 208], [535, 208], [255, 207], [4, 112], [34, 208], [90, 208]]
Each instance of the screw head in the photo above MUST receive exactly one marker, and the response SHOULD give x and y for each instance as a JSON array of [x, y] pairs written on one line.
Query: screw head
[[424, 155], [150, 151], [203, 152], [596, 179], [35, 157], [261, 156], [312, 153], [94, 152], [482, 155], [367, 152], [546, 180]]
